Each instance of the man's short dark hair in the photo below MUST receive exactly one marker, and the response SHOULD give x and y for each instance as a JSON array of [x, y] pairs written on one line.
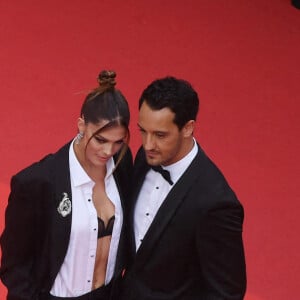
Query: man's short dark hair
[[176, 94]]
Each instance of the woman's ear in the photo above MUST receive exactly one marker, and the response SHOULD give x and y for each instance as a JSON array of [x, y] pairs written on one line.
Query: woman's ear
[[188, 128], [81, 125]]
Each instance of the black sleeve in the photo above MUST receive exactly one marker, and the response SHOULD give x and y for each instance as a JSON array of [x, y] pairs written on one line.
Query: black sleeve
[[17, 243], [221, 252]]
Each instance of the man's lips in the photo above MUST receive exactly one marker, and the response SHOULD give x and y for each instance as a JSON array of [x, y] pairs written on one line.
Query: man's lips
[[151, 154]]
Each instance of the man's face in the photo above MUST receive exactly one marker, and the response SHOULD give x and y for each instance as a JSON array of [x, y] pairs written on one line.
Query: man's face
[[164, 144]]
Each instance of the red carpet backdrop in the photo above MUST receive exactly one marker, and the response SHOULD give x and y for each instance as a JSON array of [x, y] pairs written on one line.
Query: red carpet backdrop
[[241, 56]]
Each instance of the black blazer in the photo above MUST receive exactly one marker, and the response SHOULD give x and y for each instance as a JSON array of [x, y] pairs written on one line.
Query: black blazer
[[193, 249], [35, 239]]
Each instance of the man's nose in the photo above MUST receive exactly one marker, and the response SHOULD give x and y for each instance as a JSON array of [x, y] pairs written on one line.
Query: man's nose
[[148, 142]]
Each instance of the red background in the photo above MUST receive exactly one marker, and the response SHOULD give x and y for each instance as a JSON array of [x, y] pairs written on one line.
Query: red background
[[243, 57]]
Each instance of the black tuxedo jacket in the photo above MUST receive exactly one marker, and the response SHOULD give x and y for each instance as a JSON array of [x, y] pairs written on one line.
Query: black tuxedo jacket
[[193, 249], [36, 236]]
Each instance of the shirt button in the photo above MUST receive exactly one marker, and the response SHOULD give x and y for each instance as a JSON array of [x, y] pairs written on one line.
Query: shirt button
[[157, 188], [89, 200], [147, 214]]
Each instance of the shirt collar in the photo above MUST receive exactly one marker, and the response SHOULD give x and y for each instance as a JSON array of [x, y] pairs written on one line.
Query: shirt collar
[[178, 168]]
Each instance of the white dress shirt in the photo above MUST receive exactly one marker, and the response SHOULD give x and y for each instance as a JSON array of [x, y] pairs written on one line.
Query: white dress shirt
[[76, 274], [153, 193]]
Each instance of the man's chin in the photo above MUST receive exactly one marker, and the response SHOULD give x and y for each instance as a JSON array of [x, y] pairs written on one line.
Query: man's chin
[[153, 161]]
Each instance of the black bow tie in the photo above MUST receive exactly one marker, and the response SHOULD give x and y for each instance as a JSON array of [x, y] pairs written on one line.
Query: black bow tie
[[164, 173]]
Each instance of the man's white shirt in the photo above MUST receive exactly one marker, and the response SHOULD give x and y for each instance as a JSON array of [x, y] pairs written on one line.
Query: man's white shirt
[[153, 193]]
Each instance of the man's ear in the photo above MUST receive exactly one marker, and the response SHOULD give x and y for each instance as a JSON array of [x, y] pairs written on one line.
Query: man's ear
[[188, 128]]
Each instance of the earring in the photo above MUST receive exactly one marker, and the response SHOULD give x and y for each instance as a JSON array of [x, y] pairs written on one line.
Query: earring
[[79, 137]]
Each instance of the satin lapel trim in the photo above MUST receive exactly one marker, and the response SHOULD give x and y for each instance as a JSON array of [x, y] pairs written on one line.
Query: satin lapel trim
[[119, 185], [167, 210], [138, 182], [139, 172]]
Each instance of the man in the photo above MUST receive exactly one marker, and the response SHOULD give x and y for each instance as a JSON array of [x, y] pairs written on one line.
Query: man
[[187, 229]]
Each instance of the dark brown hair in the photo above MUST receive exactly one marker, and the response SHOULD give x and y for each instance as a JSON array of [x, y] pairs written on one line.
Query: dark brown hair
[[107, 103]]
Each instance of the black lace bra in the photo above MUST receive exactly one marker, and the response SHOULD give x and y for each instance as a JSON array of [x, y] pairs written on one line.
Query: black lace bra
[[105, 231]]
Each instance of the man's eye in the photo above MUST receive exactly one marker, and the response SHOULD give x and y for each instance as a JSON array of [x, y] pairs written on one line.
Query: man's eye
[[160, 135], [141, 130]]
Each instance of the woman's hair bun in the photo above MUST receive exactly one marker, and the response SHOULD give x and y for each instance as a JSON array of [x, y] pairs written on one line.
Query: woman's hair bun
[[107, 78]]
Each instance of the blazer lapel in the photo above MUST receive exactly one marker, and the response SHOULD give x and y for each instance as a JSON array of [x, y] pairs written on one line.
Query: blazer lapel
[[62, 209]]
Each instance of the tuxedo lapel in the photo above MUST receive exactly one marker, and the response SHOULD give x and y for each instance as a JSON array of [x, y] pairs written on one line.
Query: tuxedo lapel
[[123, 176], [167, 210], [140, 170]]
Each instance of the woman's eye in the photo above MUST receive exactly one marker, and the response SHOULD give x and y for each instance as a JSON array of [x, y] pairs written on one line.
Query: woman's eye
[[99, 140]]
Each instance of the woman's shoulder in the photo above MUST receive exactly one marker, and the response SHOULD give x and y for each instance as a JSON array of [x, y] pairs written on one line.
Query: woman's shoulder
[[35, 169], [44, 166]]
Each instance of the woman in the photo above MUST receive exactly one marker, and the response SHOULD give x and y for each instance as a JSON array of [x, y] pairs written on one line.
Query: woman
[[62, 236]]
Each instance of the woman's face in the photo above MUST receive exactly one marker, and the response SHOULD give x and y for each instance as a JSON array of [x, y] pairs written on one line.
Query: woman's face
[[102, 146]]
